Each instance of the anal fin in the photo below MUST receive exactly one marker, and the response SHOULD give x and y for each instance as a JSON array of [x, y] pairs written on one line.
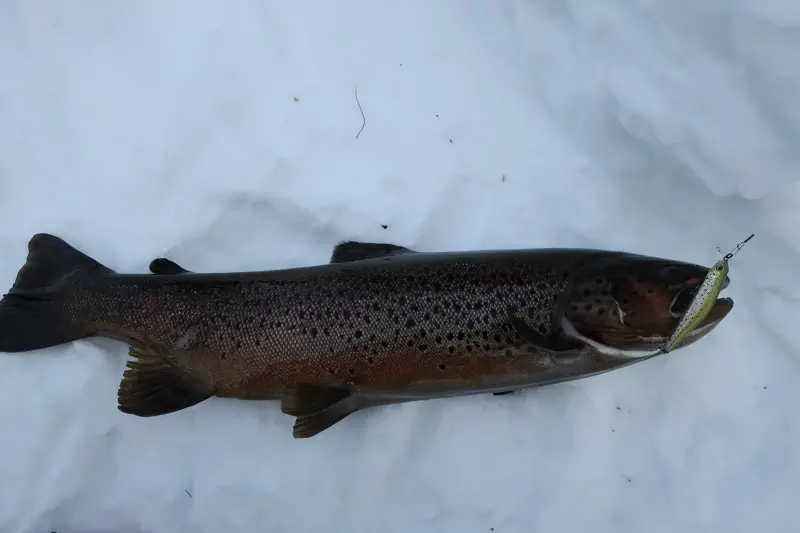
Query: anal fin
[[164, 267], [347, 251], [151, 386], [317, 408], [303, 400]]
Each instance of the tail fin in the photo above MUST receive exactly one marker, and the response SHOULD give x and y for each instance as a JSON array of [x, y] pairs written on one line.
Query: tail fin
[[31, 314]]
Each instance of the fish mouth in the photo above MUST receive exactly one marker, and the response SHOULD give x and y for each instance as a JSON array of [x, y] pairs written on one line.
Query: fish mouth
[[631, 308], [721, 308]]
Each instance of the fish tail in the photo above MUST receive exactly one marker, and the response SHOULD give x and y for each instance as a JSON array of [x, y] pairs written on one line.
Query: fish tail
[[32, 314]]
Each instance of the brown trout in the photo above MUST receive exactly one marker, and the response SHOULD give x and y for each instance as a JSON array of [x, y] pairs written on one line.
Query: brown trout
[[380, 324]]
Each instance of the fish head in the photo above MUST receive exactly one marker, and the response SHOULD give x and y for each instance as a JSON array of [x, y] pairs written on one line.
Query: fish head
[[634, 303]]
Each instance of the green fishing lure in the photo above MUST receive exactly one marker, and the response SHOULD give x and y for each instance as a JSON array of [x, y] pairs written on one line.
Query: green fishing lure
[[704, 299]]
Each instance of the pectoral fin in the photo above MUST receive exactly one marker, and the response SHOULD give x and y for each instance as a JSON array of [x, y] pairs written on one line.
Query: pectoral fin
[[559, 354]]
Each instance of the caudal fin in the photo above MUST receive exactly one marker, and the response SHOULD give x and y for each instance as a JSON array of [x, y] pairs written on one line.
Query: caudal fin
[[32, 315]]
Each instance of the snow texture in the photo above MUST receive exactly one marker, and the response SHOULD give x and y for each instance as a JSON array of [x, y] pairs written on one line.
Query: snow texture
[[222, 134]]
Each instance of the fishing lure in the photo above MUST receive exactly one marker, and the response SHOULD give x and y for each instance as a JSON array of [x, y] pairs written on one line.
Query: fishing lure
[[704, 298]]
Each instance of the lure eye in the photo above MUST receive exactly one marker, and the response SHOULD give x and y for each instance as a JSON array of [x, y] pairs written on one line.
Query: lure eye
[[682, 301], [719, 268]]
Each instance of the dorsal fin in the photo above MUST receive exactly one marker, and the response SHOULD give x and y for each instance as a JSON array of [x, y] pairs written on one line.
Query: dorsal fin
[[347, 251]]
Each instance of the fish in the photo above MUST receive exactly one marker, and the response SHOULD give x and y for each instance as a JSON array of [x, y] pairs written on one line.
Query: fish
[[378, 324]]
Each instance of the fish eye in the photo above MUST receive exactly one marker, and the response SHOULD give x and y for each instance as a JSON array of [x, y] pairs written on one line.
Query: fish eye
[[681, 302]]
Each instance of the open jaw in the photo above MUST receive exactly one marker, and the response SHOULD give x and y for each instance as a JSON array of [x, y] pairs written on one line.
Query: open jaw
[[721, 308]]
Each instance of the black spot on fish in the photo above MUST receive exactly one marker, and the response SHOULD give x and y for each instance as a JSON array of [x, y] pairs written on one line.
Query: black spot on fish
[[357, 334], [442, 367], [410, 323]]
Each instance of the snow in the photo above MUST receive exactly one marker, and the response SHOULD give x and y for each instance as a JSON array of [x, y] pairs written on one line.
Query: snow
[[221, 134]]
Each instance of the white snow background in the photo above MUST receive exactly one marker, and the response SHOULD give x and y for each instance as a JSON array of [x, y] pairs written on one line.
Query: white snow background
[[221, 134]]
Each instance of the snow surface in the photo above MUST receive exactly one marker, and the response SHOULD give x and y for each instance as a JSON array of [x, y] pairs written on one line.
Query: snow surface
[[222, 134]]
